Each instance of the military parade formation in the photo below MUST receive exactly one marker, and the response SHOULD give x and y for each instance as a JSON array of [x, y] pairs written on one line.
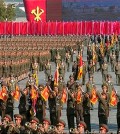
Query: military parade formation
[[24, 57]]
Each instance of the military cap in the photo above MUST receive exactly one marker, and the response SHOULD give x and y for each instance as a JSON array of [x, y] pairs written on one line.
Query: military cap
[[60, 76], [8, 117], [50, 76], [16, 116], [104, 84], [109, 76], [30, 75], [104, 126], [46, 120], [119, 97], [82, 124], [41, 86], [91, 76], [61, 122], [34, 120], [11, 75], [79, 85], [71, 76]]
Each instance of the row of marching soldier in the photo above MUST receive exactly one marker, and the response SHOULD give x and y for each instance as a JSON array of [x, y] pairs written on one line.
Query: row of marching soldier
[[33, 100], [55, 92]]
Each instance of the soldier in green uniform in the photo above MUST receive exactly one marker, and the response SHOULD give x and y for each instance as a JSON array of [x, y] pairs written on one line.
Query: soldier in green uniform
[[61, 84], [79, 103], [90, 68], [40, 105], [104, 70], [5, 70], [109, 83], [86, 111], [52, 106], [35, 67], [84, 71], [5, 120], [89, 53], [47, 70], [108, 55], [71, 85], [62, 69], [81, 127], [117, 52], [60, 127], [75, 70], [57, 59], [10, 104], [32, 127], [12, 83], [46, 125], [59, 105], [117, 72], [113, 61], [18, 128], [22, 107], [89, 87], [103, 129], [103, 105], [68, 60]]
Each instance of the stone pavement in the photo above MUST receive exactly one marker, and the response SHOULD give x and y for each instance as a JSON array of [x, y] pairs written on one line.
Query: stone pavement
[[94, 113]]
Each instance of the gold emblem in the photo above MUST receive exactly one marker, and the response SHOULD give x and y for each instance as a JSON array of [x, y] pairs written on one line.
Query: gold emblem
[[37, 12]]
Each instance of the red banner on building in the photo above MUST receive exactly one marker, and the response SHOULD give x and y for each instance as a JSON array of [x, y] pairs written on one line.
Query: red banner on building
[[35, 10]]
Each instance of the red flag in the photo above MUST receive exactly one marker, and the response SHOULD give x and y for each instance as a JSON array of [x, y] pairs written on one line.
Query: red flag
[[45, 93], [94, 97], [3, 93], [80, 68], [64, 96], [34, 93], [56, 76], [93, 54], [35, 10], [78, 97], [113, 98], [16, 93]]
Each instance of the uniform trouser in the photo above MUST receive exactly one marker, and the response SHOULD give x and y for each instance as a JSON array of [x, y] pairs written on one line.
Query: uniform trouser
[[104, 77], [103, 119], [100, 64], [118, 122], [108, 58], [58, 115], [87, 121], [2, 112], [53, 118], [39, 115], [46, 76], [28, 115], [75, 75], [68, 66], [24, 117], [117, 58], [72, 58], [70, 118], [112, 67], [118, 79], [83, 79], [79, 115]]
